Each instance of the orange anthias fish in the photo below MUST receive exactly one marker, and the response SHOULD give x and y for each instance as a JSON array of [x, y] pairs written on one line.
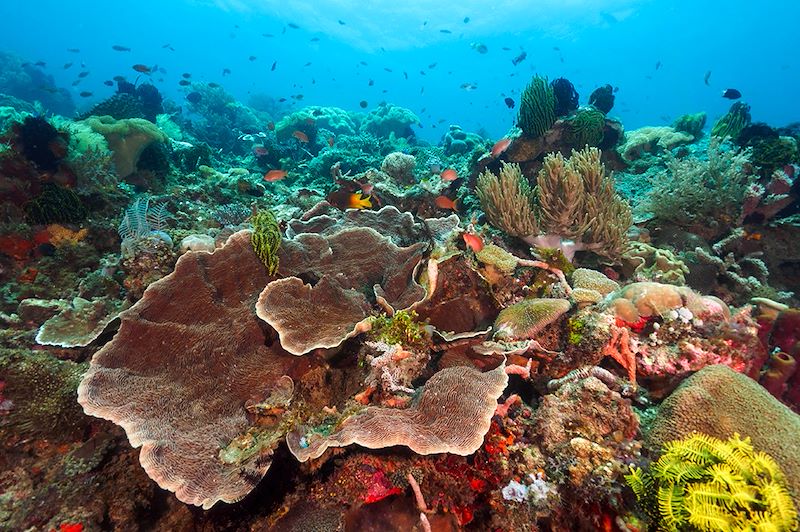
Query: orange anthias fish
[[500, 146], [299, 135], [357, 201], [443, 202], [449, 175], [275, 175], [473, 241]]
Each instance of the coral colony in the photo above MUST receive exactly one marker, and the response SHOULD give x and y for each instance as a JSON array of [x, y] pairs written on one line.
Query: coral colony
[[233, 319]]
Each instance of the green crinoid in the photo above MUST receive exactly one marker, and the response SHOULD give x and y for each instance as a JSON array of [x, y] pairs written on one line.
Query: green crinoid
[[266, 239], [537, 108], [701, 483]]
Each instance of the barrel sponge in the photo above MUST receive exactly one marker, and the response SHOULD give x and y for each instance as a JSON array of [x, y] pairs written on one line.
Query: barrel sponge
[[126, 138], [720, 402]]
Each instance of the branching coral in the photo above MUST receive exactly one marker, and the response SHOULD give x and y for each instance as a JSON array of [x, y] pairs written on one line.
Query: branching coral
[[706, 192], [703, 483]]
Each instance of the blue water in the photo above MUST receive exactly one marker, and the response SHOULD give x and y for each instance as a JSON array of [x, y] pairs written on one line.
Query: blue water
[[591, 43]]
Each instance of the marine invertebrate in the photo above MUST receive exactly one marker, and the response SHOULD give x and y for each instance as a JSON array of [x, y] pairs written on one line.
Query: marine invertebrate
[[702, 192], [577, 200], [266, 239], [527, 318], [692, 124], [401, 328], [400, 167], [710, 484], [55, 204], [142, 220], [188, 401], [652, 140], [387, 119], [41, 143], [566, 96], [127, 139], [733, 122], [467, 395], [537, 108], [574, 200], [719, 402], [80, 323], [347, 264], [644, 262], [507, 200], [602, 98], [585, 127]]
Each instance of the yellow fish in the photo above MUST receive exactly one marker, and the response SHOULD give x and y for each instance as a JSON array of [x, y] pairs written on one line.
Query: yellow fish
[[357, 201]]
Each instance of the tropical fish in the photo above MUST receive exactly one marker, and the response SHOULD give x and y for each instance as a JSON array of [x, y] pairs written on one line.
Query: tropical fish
[[331, 140], [509, 102], [74, 50], [466, 20], [731, 94], [445, 31], [658, 65], [357, 201], [275, 175], [119, 48], [214, 85], [108, 83], [186, 75], [299, 135], [443, 202], [184, 83], [85, 94], [342, 22], [500, 146], [252, 58], [67, 65], [144, 69], [473, 241], [479, 47], [707, 77], [449, 174], [469, 86], [194, 97], [363, 104], [293, 26], [83, 74], [520, 58], [226, 71]]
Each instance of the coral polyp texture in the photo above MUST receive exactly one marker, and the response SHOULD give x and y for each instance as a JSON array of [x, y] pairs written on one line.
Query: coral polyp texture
[[468, 396], [190, 353]]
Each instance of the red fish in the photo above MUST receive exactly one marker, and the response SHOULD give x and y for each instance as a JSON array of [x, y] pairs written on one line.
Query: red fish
[[271, 126], [260, 151], [275, 175], [443, 202], [330, 141], [449, 175], [473, 241], [310, 121], [299, 135], [500, 146]]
